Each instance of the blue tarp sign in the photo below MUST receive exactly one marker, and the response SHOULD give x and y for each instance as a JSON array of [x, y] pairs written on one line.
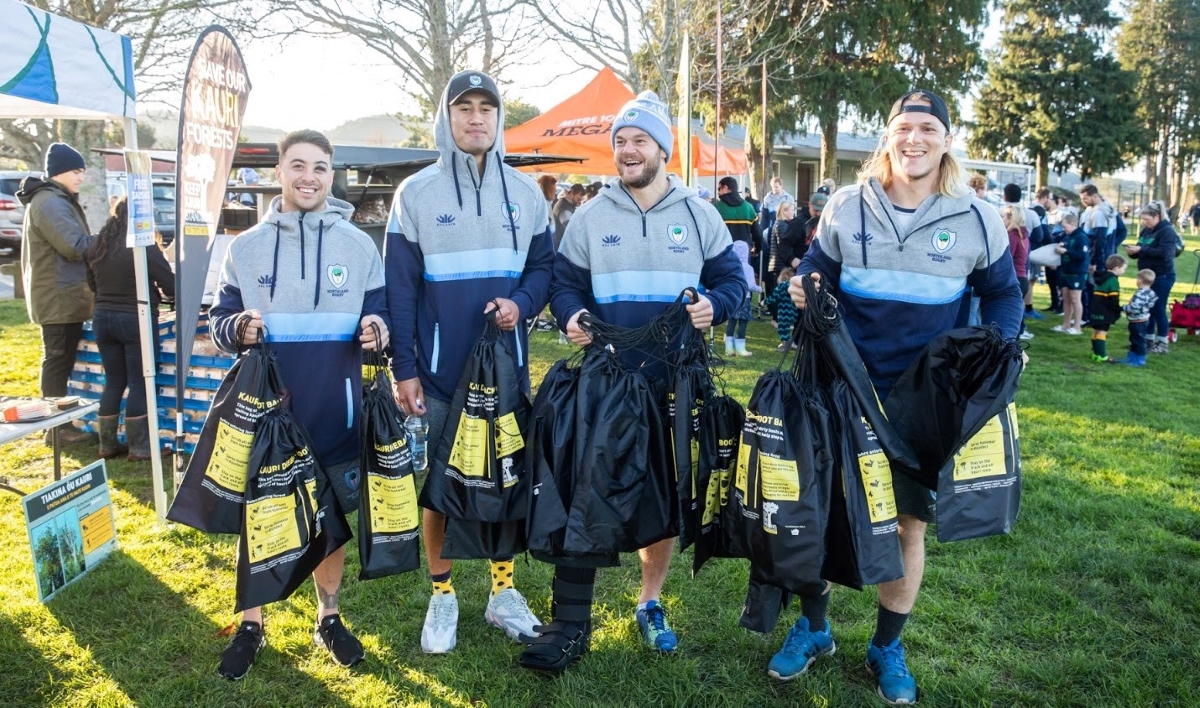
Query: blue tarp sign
[[141, 199]]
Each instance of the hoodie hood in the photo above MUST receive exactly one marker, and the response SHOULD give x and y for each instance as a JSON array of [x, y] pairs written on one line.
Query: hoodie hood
[[741, 249], [733, 199], [32, 185], [616, 191], [305, 227]]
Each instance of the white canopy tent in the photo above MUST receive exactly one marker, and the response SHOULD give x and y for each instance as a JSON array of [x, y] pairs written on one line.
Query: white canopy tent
[[55, 68]]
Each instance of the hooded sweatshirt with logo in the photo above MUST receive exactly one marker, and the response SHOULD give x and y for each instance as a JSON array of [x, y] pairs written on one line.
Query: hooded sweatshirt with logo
[[624, 265], [899, 290], [456, 240], [313, 276], [53, 245]]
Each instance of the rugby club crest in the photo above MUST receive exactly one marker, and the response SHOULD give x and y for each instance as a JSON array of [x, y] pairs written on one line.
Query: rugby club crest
[[678, 233], [943, 240], [337, 274], [510, 208]]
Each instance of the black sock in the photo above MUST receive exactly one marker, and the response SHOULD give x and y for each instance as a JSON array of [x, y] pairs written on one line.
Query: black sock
[[813, 609], [1029, 308], [888, 625], [573, 591]]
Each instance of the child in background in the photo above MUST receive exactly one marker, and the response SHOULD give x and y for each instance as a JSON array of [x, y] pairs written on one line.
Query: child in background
[[735, 331], [1138, 313], [1106, 306], [786, 313], [1072, 274]]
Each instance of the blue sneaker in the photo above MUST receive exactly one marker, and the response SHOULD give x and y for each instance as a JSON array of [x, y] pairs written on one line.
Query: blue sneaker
[[653, 622], [800, 650], [897, 686], [1034, 315]]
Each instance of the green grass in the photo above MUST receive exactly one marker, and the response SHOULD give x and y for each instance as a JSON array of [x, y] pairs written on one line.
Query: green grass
[[1091, 601]]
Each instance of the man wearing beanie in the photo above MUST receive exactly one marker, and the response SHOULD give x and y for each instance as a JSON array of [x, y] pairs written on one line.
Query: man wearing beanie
[[466, 236], [900, 249], [53, 268], [625, 256]]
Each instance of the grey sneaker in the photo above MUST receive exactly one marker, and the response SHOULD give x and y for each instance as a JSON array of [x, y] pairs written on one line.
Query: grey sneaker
[[440, 632], [508, 610]]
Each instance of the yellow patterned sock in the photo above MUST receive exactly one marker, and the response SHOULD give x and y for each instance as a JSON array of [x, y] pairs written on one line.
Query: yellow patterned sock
[[441, 584], [502, 574]]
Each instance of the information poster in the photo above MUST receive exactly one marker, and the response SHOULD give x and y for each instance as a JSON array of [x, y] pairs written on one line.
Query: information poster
[[71, 528], [141, 199]]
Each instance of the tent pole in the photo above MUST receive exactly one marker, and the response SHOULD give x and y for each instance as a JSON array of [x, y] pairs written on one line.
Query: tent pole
[[148, 338]]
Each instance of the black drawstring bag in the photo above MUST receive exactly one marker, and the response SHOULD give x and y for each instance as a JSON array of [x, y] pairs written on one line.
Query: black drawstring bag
[[479, 472], [292, 521], [388, 515], [210, 497], [552, 450], [952, 406], [721, 423], [688, 390]]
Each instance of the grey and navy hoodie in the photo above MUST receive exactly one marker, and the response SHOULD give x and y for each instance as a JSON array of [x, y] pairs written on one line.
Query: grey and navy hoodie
[[624, 265], [900, 290], [456, 240], [313, 276]]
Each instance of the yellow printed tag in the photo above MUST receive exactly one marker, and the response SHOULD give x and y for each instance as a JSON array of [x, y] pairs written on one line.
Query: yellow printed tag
[[741, 480], [230, 462], [780, 478], [271, 527], [508, 435], [469, 454], [393, 504], [877, 481], [983, 454]]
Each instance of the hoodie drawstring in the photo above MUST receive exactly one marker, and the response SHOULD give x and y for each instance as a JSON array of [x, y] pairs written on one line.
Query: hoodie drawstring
[[511, 222], [862, 222], [275, 262], [457, 189], [317, 280], [302, 245], [693, 215]]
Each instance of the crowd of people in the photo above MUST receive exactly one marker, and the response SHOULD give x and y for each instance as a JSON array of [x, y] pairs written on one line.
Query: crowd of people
[[469, 237]]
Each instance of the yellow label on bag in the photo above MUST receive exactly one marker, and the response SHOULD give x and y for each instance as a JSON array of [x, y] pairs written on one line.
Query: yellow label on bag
[[741, 480], [229, 464], [469, 454], [983, 454], [780, 479], [877, 481], [393, 504], [271, 527], [508, 435]]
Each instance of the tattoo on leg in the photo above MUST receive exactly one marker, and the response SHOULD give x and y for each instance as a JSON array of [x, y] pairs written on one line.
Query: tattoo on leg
[[328, 598]]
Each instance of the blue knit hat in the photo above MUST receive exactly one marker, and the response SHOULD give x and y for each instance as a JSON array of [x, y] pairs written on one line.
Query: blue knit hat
[[648, 113], [62, 158]]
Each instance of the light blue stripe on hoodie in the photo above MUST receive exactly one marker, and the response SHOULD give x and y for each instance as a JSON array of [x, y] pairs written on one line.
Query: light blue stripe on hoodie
[[641, 285], [310, 326], [481, 263], [901, 286]]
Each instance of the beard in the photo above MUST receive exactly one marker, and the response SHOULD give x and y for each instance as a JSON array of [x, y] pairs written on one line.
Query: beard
[[650, 170]]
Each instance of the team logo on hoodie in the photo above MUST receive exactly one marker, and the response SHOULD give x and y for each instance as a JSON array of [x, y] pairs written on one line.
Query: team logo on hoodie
[[510, 208], [943, 240], [338, 274], [678, 233]]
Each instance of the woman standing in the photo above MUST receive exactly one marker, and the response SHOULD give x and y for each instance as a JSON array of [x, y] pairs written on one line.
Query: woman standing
[[115, 323], [1018, 246], [1155, 250], [780, 248]]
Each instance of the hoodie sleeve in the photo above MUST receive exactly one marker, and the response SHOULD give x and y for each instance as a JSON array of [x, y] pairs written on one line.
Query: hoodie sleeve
[[571, 284], [1163, 245], [824, 254], [227, 305], [995, 277], [404, 266], [533, 292], [58, 223]]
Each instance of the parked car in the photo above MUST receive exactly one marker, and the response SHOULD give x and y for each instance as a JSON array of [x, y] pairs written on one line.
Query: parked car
[[12, 211], [164, 210]]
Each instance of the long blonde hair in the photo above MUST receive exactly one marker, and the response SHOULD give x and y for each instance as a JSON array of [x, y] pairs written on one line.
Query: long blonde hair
[[952, 178], [1016, 216]]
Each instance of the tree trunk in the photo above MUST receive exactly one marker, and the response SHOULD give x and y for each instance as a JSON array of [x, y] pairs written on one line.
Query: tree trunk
[[757, 167], [829, 131], [1043, 170], [1164, 153]]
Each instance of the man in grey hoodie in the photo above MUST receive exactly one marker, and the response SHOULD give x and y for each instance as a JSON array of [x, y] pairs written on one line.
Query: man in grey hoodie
[[901, 249], [466, 236], [625, 256]]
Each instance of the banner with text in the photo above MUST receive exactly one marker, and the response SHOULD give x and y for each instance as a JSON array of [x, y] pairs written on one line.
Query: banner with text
[[215, 90], [140, 203]]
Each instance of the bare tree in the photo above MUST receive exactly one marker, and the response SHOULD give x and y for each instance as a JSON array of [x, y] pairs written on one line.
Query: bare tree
[[427, 40]]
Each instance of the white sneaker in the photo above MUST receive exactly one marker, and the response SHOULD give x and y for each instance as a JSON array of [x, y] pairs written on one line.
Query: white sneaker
[[1025, 335], [508, 610], [439, 634], [1075, 331], [1059, 328]]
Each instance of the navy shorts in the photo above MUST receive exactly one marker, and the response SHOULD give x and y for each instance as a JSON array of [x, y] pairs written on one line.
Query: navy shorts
[[1072, 281]]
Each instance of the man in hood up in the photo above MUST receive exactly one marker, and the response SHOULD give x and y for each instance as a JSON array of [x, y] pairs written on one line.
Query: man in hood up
[[311, 283], [626, 256], [738, 214], [52, 248], [466, 236]]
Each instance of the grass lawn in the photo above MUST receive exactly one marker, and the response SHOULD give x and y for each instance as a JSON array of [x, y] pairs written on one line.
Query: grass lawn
[[1091, 601]]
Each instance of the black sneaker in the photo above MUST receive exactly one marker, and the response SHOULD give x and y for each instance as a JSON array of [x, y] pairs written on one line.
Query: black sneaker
[[344, 646], [239, 653]]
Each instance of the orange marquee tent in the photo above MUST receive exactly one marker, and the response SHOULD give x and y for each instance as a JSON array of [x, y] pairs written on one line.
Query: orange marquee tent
[[580, 127]]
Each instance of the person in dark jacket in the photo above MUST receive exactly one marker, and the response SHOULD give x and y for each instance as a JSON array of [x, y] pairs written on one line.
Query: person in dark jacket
[[110, 275], [780, 249], [1155, 250], [55, 238], [739, 216]]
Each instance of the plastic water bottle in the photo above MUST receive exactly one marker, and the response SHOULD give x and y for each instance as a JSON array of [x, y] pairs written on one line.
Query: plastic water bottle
[[417, 428]]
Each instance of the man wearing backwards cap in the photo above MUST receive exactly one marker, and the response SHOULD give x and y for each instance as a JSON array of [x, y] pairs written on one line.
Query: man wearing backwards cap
[[625, 256], [901, 249], [52, 248], [466, 236]]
